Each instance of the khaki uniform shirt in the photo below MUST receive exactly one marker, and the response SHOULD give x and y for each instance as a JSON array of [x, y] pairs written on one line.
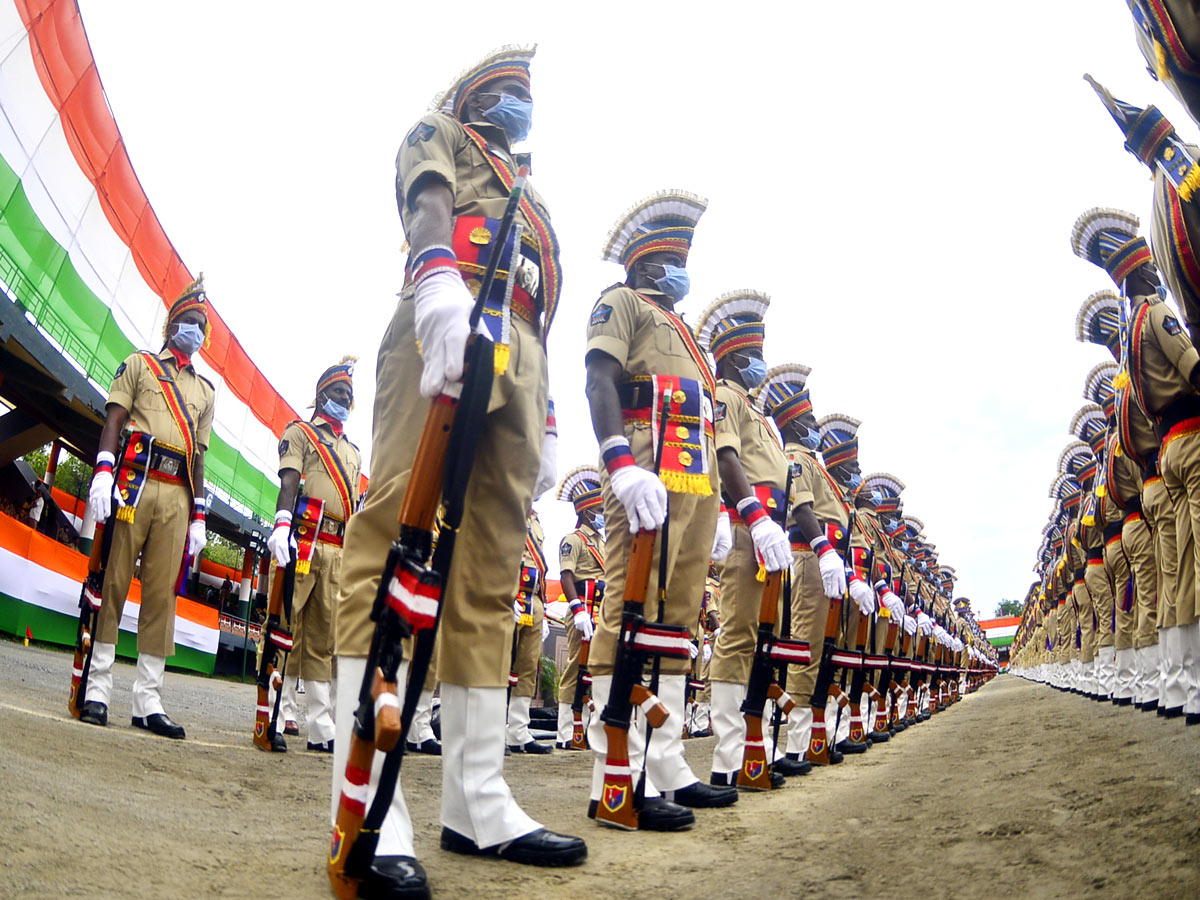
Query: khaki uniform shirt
[[135, 388], [1124, 475], [438, 145], [1136, 434], [575, 557], [743, 429], [1167, 359], [811, 485], [634, 331], [297, 452], [533, 530]]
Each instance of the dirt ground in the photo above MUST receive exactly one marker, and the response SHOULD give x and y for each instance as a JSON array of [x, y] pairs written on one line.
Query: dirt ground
[[1018, 791]]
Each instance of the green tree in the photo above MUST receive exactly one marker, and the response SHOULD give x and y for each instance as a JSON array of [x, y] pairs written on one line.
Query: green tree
[[1009, 608], [73, 475], [223, 551]]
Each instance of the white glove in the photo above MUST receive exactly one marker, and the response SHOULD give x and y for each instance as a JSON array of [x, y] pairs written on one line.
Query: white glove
[[693, 651], [583, 624], [197, 537], [722, 538], [707, 651], [279, 543], [443, 316], [100, 496], [545, 629], [772, 542], [640, 491], [924, 624], [910, 625], [861, 593], [518, 606], [833, 570], [548, 473], [889, 601]]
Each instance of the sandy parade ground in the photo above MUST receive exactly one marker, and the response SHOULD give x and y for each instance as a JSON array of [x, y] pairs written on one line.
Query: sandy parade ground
[[1017, 791]]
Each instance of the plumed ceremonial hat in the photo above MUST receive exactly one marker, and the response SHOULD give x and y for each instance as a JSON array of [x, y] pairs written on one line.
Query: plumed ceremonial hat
[[1109, 239], [1098, 386], [1065, 490], [664, 221], [889, 486], [1089, 424], [509, 61], [343, 371], [1099, 321], [783, 395], [839, 438], [1077, 460], [733, 322], [192, 297], [581, 486]]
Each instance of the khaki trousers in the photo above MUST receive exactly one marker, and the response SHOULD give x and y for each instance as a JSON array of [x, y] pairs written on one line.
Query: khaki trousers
[[1180, 461], [570, 672], [810, 608], [529, 652], [158, 532], [741, 597], [1100, 589], [477, 602], [693, 521], [312, 614], [1159, 512], [1116, 564], [1138, 544]]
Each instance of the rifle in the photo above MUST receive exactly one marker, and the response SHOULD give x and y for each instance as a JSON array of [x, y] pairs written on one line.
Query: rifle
[[859, 683], [619, 803], [277, 641], [583, 677], [769, 651], [408, 601], [91, 598]]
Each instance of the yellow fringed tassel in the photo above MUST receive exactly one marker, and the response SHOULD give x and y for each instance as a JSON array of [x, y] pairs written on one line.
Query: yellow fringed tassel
[[1121, 380], [1102, 491], [125, 514], [1160, 63], [761, 574], [1191, 181], [686, 483], [303, 566], [526, 620], [1088, 520], [500, 355]]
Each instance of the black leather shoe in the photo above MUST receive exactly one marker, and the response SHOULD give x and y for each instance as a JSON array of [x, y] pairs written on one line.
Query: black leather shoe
[[290, 727], [777, 779], [703, 796], [723, 779], [160, 724], [538, 848], [94, 713], [898, 726], [1192, 719], [1161, 711], [1122, 701], [394, 878], [789, 767], [702, 733], [657, 814], [559, 745], [531, 747], [429, 745], [321, 746], [278, 744], [1150, 706], [849, 746], [1174, 712], [879, 737]]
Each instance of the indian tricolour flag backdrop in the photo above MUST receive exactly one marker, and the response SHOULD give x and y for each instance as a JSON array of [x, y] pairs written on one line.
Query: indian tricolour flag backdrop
[[83, 252]]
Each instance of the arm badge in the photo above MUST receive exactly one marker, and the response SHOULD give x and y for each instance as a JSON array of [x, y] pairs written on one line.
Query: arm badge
[[1171, 325], [601, 314], [423, 132]]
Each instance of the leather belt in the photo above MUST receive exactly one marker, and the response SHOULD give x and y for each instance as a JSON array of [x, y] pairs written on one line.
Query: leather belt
[[332, 531], [1181, 409], [167, 464]]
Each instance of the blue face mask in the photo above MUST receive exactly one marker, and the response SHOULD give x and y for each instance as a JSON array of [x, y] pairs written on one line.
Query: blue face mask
[[598, 522], [335, 410], [675, 282], [754, 374], [811, 441], [188, 337], [855, 481], [876, 497], [513, 115]]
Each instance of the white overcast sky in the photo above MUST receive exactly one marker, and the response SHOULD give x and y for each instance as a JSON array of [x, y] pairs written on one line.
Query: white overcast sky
[[901, 178]]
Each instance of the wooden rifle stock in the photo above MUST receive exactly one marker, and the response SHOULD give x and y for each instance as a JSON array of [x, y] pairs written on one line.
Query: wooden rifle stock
[[582, 693], [755, 773], [276, 641], [89, 612]]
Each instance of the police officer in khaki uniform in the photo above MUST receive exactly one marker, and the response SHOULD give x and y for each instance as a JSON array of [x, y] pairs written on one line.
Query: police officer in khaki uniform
[[581, 573], [1164, 374], [530, 629], [453, 174], [637, 347], [318, 461], [753, 480], [1168, 35], [167, 408], [818, 571]]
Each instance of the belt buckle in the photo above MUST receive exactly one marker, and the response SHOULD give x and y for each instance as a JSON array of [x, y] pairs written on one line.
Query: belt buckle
[[329, 526], [528, 276], [168, 466]]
